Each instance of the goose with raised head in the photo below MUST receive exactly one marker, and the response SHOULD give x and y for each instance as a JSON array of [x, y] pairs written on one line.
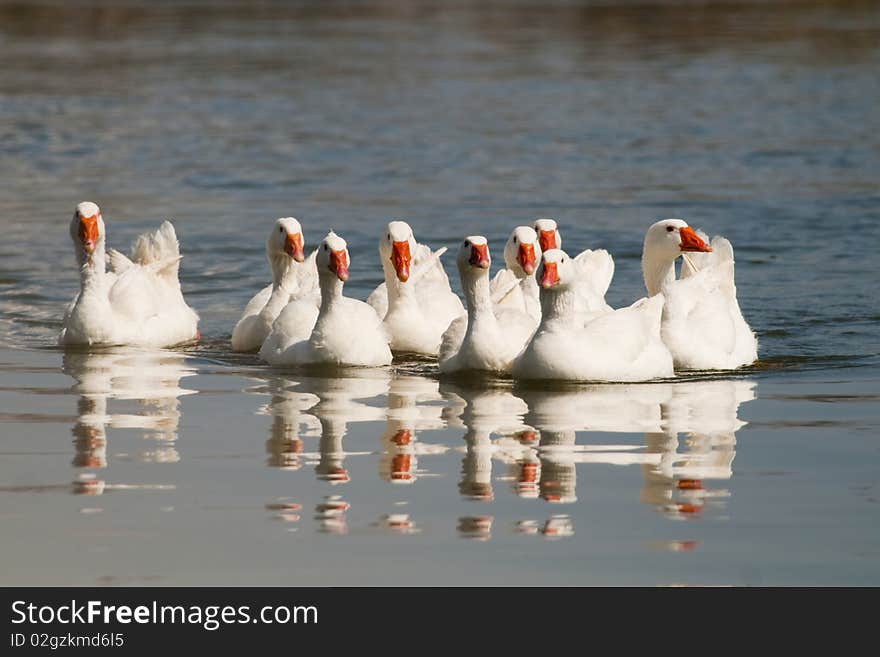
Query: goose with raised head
[[139, 302], [621, 345], [418, 304], [595, 268], [703, 325], [515, 286], [425, 268], [486, 338], [293, 277], [343, 331]]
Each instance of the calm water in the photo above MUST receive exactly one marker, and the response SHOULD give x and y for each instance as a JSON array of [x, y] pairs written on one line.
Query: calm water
[[756, 121]]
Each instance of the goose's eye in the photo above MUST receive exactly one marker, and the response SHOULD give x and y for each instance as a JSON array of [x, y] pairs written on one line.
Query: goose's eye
[[325, 247], [466, 243], [389, 236], [669, 229]]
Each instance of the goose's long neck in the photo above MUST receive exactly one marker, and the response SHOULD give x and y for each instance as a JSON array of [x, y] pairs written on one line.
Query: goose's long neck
[[283, 272], [93, 269], [331, 291], [401, 294], [558, 307], [284, 283], [658, 272], [478, 297]]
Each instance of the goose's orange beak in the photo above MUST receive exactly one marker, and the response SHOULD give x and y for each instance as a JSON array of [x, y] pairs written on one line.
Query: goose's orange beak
[[479, 256], [293, 246], [88, 232], [527, 257], [690, 241], [339, 264], [547, 239], [550, 277], [401, 259]]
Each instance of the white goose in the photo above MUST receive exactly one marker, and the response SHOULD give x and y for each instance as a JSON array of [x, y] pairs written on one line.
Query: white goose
[[292, 277], [140, 302], [344, 331], [515, 287], [425, 268], [703, 325], [621, 345], [596, 268], [486, 338], [418, 302]]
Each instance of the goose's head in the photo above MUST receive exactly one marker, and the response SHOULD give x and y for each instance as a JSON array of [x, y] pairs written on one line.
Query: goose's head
[[473, 257], [522, 251], [669, 238], [548, 234], [333, 257], [87, 230], [555, 271], [285, 238], [397, 246]]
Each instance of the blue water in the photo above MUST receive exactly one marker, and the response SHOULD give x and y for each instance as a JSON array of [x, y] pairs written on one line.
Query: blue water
[[756, 121]]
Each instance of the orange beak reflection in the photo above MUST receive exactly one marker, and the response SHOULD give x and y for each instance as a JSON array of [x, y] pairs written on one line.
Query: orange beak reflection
[[401, 259], [479, 256], [88, 232], [547, 239], [339, 264], [293, 246], [690, 241], [550, 277], [527, 257]]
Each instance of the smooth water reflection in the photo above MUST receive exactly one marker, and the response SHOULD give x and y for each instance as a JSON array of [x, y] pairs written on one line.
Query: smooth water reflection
[[528, 441], [104, 382]]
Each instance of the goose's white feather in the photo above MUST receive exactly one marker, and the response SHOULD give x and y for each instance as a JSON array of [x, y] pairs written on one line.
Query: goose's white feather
[[140, 303], [703, 325]]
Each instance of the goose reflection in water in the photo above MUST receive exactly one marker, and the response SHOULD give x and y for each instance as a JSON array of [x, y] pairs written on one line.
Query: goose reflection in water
[[149, 378], [706, 414], [558, 416], [341, 400], [414, 404], [484, 412], [290, 422]]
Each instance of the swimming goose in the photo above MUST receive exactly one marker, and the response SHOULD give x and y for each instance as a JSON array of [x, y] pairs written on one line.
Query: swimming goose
[[515, 286], [703, 325], [344, 331], [596, 268], [621, 345], [486, 338], [426, 270], [138, 303], [419, 304], [292, 277]]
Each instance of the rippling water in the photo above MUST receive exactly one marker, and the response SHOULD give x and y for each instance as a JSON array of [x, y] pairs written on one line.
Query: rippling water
[[757, 121]]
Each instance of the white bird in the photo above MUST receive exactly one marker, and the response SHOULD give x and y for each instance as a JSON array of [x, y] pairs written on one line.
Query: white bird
[[703, 325], [515, 286], [595, 268], [140, 302], [621, 345], [293, 277], [425, 267], [486, 338], [344, 331], [415, 303]]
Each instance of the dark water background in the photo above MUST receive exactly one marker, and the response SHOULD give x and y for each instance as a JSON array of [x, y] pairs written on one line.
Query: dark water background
[[755, 120]]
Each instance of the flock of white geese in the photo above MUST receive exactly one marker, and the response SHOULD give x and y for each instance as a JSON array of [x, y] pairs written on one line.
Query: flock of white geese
[[543, 316]]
